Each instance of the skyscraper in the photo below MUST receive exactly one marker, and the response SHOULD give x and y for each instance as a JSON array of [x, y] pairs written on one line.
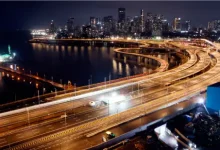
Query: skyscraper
[[142, 21], [177, 24], [121, 20], [52, 28], [121, 15], [157, 25], [108, 24], [149, 22], [165, 25], [92, 21], [70, 22], [135, 24], [214, 25], [186, 25]]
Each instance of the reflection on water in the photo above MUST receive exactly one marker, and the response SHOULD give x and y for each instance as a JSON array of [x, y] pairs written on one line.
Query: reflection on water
[[78, 63], [14, 87], [68, 62]]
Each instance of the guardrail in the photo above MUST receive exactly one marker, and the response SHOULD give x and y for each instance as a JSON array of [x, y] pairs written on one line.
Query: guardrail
[[113, 120], [163, 64]]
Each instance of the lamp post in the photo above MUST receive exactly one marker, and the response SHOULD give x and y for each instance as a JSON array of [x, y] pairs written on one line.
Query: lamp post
[[38, 95], [28, 116], [15, 96], [138, 89], [44, 90], [75, 88], [105, 81], [8, 142], [65, 117], [89, 83], [90, 79], [109, 78], [55, 91], [167, 95]]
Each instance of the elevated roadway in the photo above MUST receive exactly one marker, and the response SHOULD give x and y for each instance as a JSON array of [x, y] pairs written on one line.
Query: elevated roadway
[[94, 127], [80, 90], [164, 90], [33, 76]]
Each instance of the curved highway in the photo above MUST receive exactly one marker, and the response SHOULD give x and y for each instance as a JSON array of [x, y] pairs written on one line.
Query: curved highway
[[150, 93]]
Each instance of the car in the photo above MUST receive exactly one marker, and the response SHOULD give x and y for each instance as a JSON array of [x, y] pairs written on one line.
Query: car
[[110, 135], [104, 139], [63, 116], [92, 103]]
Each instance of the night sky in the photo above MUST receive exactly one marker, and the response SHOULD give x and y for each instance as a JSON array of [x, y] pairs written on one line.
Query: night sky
[[29, 15]]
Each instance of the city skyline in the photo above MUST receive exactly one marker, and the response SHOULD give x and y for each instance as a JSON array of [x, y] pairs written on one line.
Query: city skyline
[[41, 13]]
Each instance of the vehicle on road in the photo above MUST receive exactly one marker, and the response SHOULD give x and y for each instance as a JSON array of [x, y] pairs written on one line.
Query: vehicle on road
[[92, 103], [110, 135], [104, 139], [63, 116]]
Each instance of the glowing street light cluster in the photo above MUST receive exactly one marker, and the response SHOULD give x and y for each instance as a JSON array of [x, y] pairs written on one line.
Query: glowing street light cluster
[[112, 98], [38, 32]]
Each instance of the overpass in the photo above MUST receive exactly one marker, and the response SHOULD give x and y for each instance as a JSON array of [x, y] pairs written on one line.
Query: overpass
[[55, 84], [162, 66], [143, 96]]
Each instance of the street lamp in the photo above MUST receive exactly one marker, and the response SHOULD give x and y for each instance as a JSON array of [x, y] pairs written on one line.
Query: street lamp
[[138, 89], [44, 90], [55, 91], [89, 83], [105, 81], [109, 77], [167, 95], [15, 96], [91, 79], [75, 88], [28, 116], [38, 95], [65, 117]]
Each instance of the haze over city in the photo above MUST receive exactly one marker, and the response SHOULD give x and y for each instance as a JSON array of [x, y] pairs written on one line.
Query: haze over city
[[30, 15]]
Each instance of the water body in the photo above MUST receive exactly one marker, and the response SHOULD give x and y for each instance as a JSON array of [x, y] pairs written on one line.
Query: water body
[[61, 63]]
